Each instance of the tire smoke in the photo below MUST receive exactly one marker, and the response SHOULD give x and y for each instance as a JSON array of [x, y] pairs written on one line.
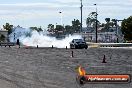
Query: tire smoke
[[33, 38]]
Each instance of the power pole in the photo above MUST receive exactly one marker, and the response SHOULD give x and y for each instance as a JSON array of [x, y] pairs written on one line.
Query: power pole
[[96, 24], [81, 16]]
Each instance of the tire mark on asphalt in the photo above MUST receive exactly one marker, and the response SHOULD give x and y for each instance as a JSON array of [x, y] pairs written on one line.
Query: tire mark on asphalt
[[11, 81]]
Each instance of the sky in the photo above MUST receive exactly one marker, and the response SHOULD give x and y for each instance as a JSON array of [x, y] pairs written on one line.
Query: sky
[[27, 13]]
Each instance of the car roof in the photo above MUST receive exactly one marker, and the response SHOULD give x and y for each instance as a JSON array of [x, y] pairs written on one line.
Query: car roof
[[78, 39]]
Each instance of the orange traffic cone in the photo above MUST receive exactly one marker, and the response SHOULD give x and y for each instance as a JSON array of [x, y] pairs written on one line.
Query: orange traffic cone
[[26, 46], [104, 60], [66, 47], [37, 46]]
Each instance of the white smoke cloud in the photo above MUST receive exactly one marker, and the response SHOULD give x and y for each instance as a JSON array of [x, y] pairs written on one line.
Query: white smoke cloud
[[34, 38], [19, 32]]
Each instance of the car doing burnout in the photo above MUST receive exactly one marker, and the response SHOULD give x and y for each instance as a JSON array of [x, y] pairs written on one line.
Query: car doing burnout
[[78, 44]]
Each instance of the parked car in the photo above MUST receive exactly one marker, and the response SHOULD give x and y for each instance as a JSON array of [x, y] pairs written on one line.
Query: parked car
[[78, 44]]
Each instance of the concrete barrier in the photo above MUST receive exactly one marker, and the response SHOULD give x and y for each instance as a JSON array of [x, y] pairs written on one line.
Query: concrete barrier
[[109, 45], [7, 44]]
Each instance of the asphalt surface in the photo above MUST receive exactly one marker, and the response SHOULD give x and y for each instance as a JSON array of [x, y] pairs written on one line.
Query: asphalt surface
[[55, 68]]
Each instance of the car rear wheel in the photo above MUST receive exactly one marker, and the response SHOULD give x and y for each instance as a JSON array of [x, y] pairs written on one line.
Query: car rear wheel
[[76, 47], [71, 47], [86, 47]]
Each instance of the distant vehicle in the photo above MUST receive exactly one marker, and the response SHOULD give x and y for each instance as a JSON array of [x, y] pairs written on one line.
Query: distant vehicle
[[78, 44]]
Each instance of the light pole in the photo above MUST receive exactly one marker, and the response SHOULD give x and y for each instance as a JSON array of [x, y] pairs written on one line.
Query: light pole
[[61, 18], [96, 24], [81, 16]]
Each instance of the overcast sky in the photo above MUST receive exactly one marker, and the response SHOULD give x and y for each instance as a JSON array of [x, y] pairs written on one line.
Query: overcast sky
[[28, 13]]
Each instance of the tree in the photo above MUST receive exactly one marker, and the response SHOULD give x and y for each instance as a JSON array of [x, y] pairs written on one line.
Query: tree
[[50, 27], [33, 28], [114, 22], [36, 29], [68, 29], [39, 29], [126, 28], [59, 28], [91, 20], [8, 27], [76, 25], [107, 20], [59, 31], [107, 25]]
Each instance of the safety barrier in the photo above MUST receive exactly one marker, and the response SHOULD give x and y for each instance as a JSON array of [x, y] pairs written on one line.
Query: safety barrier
[[109, 44], [7, 44]]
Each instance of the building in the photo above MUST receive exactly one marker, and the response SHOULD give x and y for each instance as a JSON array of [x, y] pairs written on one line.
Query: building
[[112, 35], [3, 35], [102, 37]]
